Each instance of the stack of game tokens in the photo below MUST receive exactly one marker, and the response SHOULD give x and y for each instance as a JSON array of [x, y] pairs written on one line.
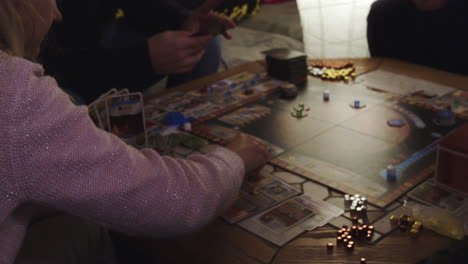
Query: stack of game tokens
[[405, 223], [333, 70], [357, 206], [347, 237]]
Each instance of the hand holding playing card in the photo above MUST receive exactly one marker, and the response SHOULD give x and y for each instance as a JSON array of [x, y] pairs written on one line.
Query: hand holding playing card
[[205, 22]]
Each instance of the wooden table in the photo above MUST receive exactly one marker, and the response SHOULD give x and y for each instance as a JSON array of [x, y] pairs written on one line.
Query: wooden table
[[222, 242]]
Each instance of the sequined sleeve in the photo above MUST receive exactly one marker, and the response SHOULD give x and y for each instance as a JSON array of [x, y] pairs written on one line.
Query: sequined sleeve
[[66, 163]]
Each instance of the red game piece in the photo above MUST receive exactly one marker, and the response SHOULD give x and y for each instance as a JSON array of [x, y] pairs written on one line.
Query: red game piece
[[452, 162]]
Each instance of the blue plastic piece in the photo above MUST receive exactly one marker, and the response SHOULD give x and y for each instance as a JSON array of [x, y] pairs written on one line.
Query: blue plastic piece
[[396, 123], [357, 103], [391, 176], [252, 82], [175, 119]]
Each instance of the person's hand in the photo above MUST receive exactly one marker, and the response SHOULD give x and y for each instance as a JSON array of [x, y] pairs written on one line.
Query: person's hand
[[204, 21], [176, 51], [253, 152]]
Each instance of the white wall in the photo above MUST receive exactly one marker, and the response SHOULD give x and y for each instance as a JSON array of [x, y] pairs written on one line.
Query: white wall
[[335, 28]]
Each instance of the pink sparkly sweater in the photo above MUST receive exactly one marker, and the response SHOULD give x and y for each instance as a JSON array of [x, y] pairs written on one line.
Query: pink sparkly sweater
[[52, 155]]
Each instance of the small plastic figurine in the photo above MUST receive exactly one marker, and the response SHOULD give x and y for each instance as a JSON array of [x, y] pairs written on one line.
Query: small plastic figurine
[[300, 111]]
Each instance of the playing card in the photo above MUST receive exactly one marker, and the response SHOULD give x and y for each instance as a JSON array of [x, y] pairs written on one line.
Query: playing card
[[92, 111], [259, 193], [103, 114], [285, 216], [296, 216], [435, 195], [106, 94], [126, 118]]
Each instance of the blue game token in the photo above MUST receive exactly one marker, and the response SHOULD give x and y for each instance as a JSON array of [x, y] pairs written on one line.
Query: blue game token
[[396, 123]]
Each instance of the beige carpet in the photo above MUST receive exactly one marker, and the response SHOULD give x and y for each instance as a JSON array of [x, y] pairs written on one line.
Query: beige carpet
[[247, 45]]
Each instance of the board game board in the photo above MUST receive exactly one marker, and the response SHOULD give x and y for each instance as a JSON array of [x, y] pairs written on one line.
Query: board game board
[[340, 146]]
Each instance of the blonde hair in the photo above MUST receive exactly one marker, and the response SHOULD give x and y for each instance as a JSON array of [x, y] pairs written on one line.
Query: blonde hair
[[12, 35]]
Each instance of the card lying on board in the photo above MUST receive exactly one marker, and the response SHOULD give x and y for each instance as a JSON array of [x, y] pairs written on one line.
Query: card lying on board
[[439, 196], [291, 218]]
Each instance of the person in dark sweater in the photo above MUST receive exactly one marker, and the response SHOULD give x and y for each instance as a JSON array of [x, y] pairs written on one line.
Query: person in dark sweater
[[427, 32], [153, 39]]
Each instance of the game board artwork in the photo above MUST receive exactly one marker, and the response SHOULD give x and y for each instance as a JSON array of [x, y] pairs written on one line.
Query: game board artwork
[[223, 135], [246, 115], [348, 149], [403, 85], [353, 157], [457, 102]]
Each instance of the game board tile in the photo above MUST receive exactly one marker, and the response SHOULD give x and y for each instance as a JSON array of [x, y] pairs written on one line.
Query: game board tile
[[274, 161], [289, 177], [337, 201], [339, 221], [297, 186], [383, 225], [408, 184], [404, 198], [374, 215], [376, 238], [282, 164], [393, 206], [333, 184], [378, 203], [315, 189], [300, 171], [269, 168], [370, 207]]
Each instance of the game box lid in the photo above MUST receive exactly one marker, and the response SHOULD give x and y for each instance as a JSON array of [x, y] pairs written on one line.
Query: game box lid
[[457, 140]]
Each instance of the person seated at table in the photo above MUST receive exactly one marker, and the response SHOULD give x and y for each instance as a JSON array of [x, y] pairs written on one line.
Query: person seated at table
[[92, 51], [53, 156], [427, 32]]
